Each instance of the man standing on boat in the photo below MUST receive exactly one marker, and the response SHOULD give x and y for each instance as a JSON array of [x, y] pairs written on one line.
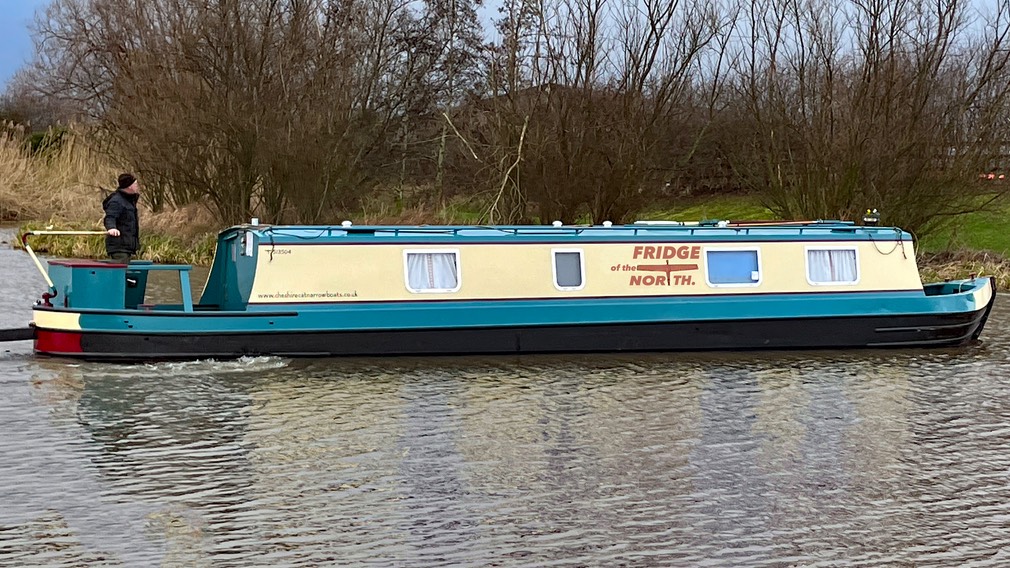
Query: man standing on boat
[[122, 220]]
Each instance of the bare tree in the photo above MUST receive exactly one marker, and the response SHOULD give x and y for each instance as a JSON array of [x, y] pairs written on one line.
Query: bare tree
[[585, 97], [575, 109], [871, 103], [292, 108]]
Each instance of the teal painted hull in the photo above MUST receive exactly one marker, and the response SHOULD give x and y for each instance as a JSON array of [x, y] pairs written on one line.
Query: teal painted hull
[[365, 316]]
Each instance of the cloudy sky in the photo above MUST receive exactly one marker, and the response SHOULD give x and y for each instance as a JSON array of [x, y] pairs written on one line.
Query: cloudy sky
[[16, 17], [15, 41]]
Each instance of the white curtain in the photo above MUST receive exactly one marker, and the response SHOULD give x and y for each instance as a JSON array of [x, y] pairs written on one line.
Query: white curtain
[[432, 271], [825, 266]]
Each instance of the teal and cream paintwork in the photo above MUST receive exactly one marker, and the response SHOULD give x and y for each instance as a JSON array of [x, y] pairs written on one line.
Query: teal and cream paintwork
[[294, 272], [344, 290]]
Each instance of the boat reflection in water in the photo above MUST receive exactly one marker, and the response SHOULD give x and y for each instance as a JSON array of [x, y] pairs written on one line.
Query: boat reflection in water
[[595, 460], [264, 456], [165, 442]]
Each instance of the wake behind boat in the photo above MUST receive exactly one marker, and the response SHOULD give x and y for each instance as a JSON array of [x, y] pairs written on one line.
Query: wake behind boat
[[316, 291]]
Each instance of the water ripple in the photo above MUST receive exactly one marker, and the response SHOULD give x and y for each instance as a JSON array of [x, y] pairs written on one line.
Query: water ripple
[[862, 458]]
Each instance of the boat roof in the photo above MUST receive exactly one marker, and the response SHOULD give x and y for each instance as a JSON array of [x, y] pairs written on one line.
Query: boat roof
[[640, 231]]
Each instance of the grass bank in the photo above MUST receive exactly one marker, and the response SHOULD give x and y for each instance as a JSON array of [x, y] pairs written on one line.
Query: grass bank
[[981, 231], [735, 207], [977, 245], [973, 243]]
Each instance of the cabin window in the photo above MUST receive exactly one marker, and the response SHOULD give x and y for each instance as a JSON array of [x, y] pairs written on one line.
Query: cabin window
[[732, 267], [432, 271], [569, 271], [832, 266], [248, 243]]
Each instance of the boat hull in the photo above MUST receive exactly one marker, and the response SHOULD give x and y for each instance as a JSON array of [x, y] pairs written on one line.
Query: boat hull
[[943, 330]]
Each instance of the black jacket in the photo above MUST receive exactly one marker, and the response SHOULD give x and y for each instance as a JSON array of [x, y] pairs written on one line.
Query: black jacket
[[121, 213]]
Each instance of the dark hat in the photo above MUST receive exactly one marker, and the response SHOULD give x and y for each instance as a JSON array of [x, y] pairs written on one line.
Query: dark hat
[[126, 180]]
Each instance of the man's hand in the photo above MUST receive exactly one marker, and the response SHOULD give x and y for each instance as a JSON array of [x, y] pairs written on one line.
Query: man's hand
[[113, 232]]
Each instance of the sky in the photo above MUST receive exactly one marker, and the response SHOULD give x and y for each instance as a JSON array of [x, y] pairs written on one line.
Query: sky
[[16, 45], [15, 36], [15, 39]]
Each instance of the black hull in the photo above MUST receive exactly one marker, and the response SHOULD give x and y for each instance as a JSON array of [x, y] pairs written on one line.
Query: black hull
[[945, 330]]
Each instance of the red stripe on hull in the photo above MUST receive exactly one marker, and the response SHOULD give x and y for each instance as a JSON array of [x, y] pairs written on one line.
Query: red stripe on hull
[[57, 341]]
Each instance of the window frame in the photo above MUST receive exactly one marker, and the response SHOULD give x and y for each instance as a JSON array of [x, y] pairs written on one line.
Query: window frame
[[760, 264], [554, 269], [806, 261], [406, 271]]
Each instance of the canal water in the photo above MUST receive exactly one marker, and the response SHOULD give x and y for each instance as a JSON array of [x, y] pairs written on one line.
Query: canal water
[[862, 458]]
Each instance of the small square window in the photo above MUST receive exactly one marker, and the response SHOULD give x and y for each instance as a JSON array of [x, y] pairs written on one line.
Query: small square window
[[569, 273], [733, 267]]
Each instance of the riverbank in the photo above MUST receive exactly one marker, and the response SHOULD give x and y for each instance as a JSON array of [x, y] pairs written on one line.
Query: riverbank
[[60, 185], [173, 237], [189, 237], [62, 189], [974, 243]]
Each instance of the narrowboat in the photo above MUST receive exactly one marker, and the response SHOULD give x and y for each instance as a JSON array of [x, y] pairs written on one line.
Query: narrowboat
[[320, 291]]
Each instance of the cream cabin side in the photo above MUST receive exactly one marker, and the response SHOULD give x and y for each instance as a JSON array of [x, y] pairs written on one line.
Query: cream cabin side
[[354, 272]]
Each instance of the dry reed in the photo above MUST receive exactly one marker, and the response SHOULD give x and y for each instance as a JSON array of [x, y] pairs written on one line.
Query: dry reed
[[62, 188], [63, 183], [953, 265]]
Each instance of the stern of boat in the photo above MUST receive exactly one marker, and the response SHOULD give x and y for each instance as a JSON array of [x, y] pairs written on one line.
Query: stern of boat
[[82, 290]]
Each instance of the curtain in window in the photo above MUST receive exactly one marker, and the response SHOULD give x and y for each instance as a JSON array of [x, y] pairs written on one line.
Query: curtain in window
[[432, 271], [825, 266]]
